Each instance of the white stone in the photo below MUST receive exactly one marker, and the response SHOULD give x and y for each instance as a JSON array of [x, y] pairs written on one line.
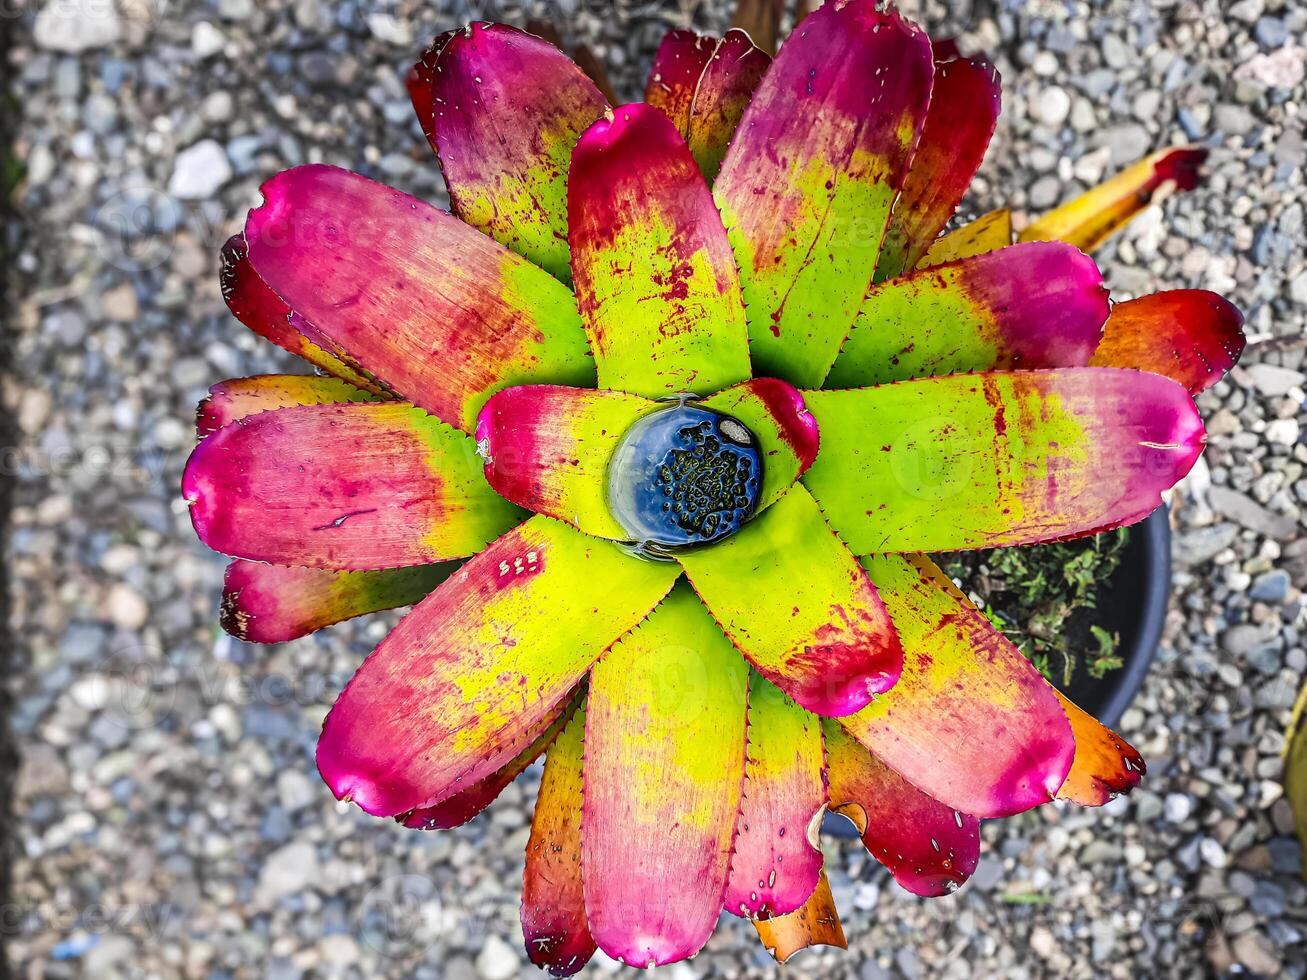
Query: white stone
[[90, 693], [1083, 117], [497, 960], [1284, 68], [126, 607], [1089, 169], [218, 107], [1043, 943], [1283, 432], [866, 895], [1045, 64], [1212, 852], [111, 951], [338, 950], [206, 40], [236, 9], [294, 789], [605, 963], [1298, 288], [385, 27], [40, 165], [1053, 106], [288, 870], [76, 25], [120, 303], [1268, 791], [1247, 10], [34, 409], [118, 558], [1178, 807], [172, 433], [199, 171], [1148, 230]]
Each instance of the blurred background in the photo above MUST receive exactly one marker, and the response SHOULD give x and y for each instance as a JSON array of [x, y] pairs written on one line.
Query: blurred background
[[165, 817]]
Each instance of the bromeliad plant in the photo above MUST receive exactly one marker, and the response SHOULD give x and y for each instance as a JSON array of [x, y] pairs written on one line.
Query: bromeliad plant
[[661, 421]]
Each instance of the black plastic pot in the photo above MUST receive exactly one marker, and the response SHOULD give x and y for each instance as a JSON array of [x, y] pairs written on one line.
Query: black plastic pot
[[1133, 605]]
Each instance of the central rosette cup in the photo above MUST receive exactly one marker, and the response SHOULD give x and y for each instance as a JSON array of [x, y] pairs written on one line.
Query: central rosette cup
[[682, 476], [667, 476]]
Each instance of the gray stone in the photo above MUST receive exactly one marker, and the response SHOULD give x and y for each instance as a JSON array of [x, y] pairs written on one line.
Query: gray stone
[[1203, 544], [280, 968], [1101, 852], [1242, 884], [1045, 192], [295, 790], [1148, 806], [1286, 855], [318, 68], [1265, 659], [1233, 119], [1272, 586], [1128, 142], [1246, 512], [100, 113], [1268, 900], [908, 962], [1102, 935], [987, 875], [1115, 52], [1290, 149], [1239, 640], [1272, 381], [1270, 32], [1255, 951], [67, 326], [241, 153], [1096, 84], [1187, 854]]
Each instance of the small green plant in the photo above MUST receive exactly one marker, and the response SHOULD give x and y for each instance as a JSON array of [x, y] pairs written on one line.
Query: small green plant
[[1043, 599]]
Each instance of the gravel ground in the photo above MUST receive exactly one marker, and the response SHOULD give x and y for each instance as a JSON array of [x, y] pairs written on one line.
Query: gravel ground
[[169, 821]]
